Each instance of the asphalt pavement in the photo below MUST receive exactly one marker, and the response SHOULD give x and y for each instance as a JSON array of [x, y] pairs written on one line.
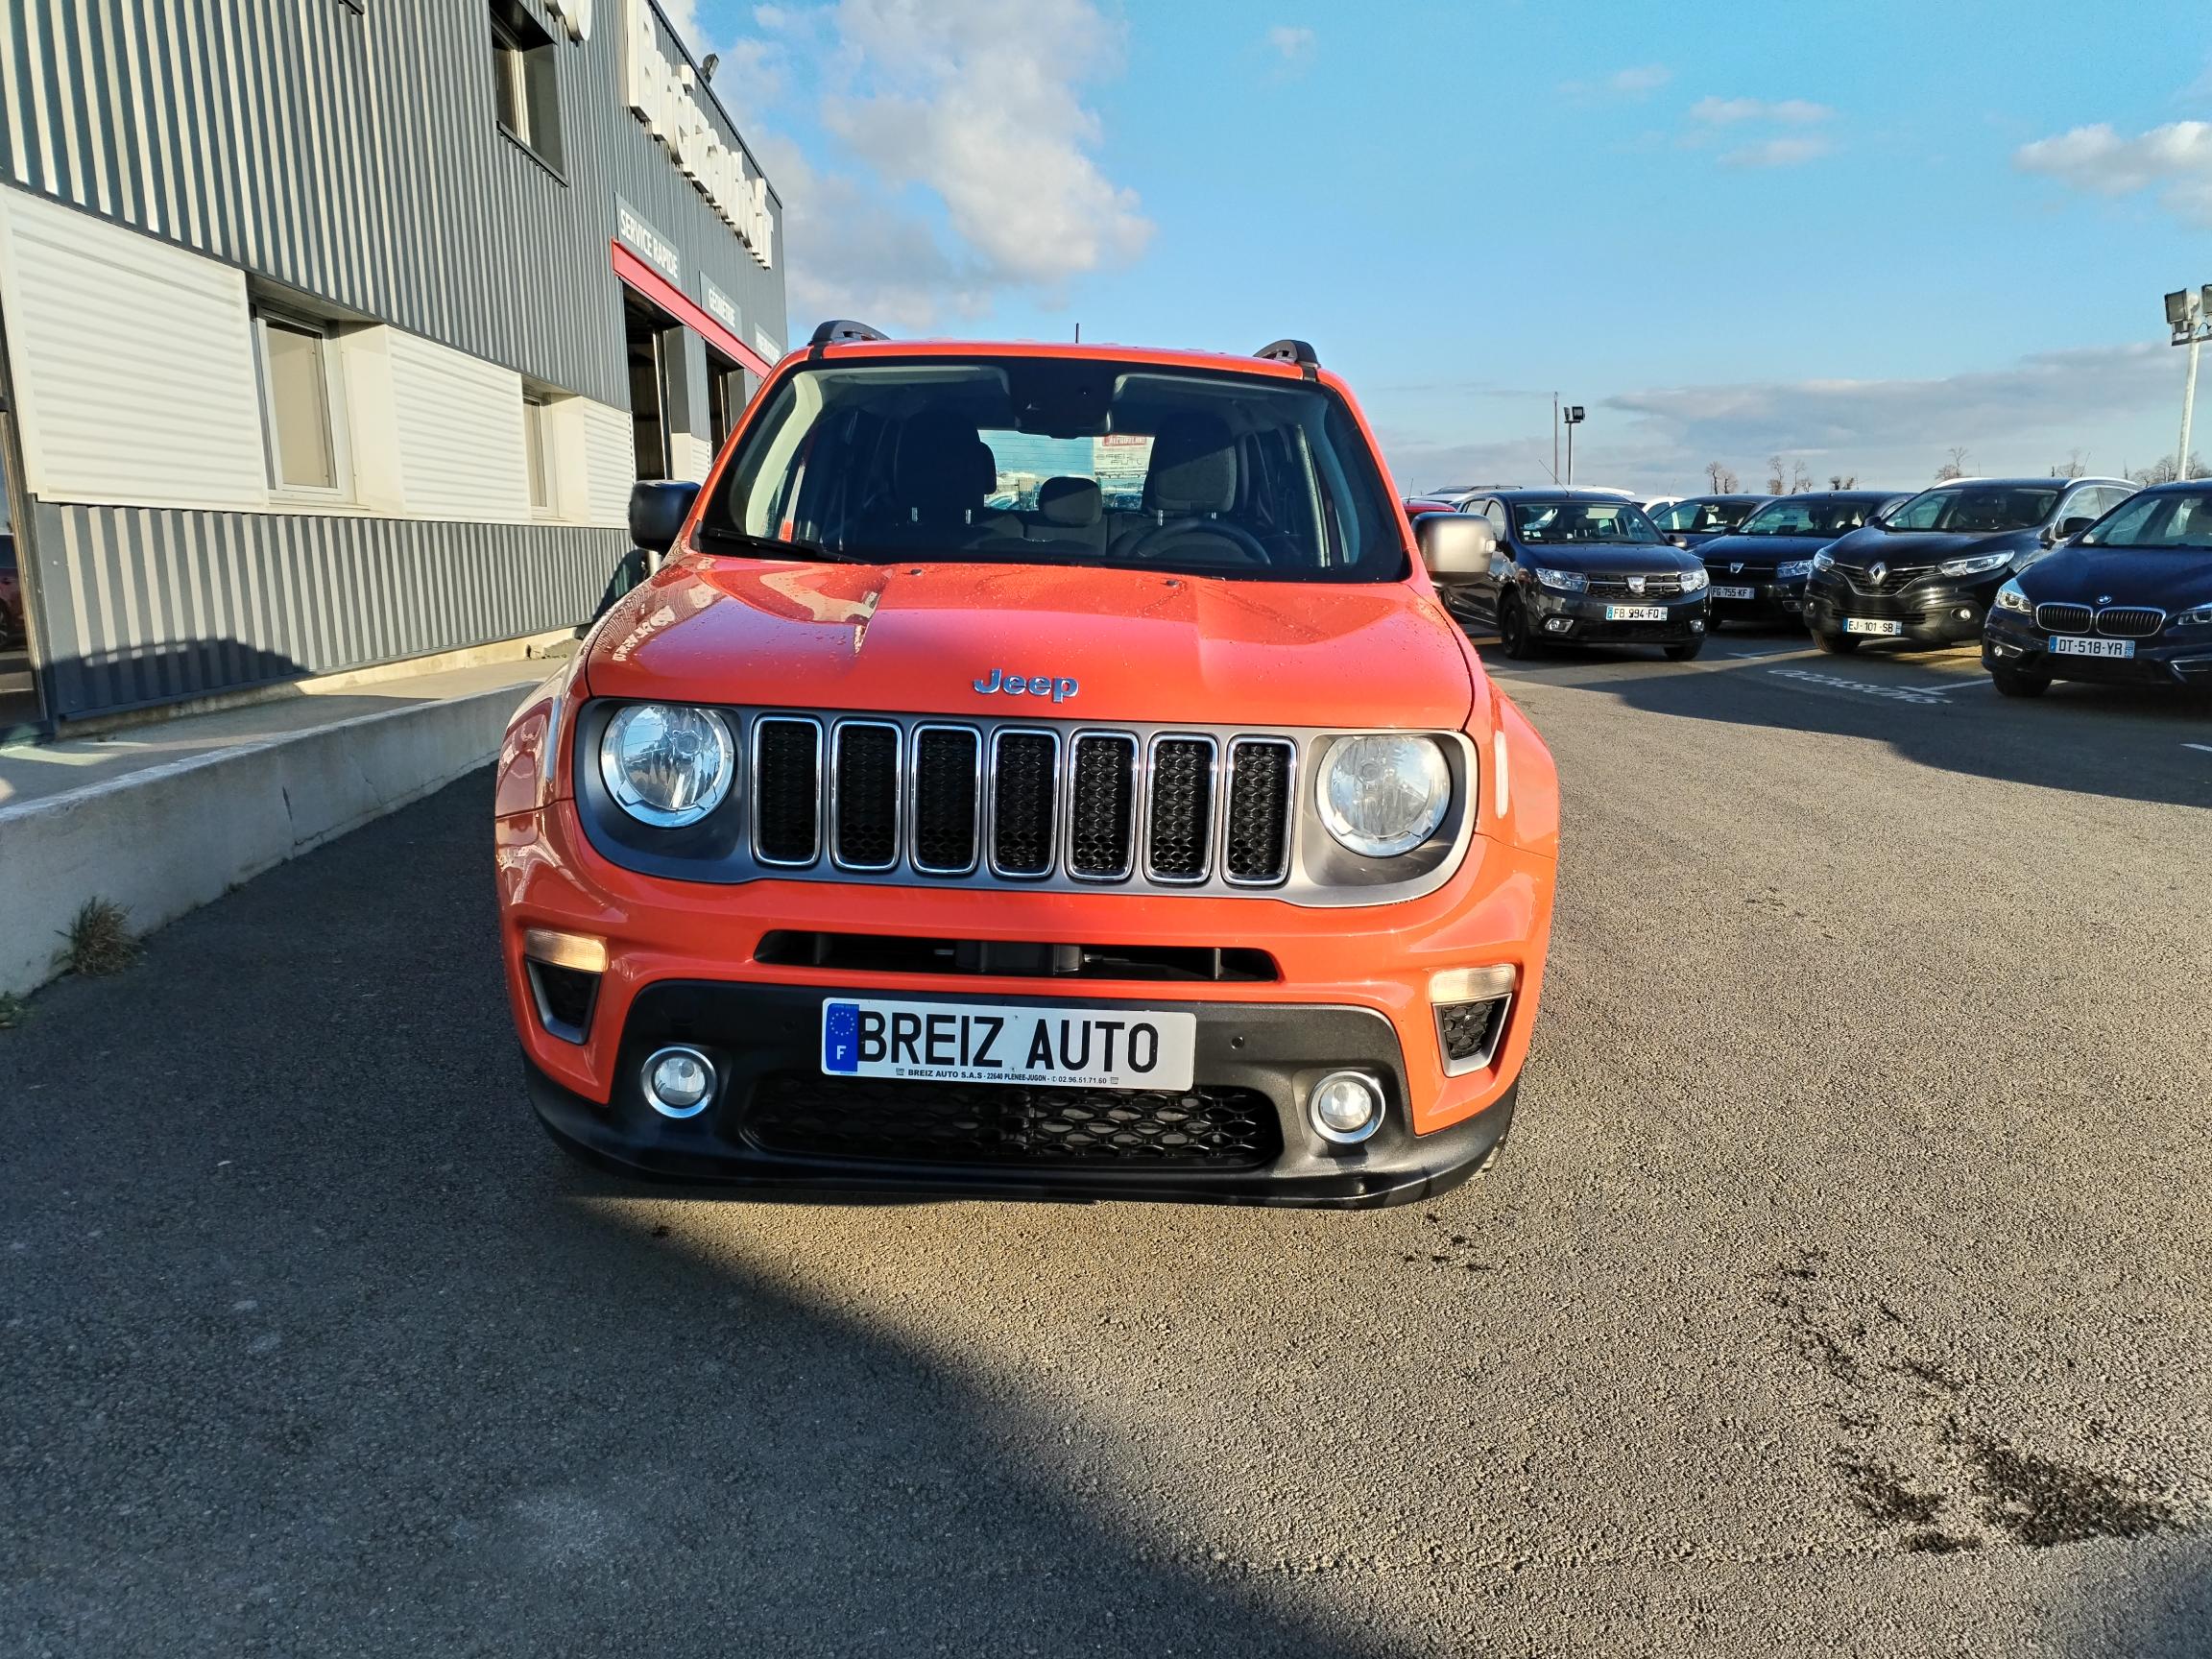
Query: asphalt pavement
[[1846, 1287]]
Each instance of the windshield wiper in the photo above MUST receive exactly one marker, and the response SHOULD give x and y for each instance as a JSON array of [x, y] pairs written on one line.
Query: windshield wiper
[[780, 548]]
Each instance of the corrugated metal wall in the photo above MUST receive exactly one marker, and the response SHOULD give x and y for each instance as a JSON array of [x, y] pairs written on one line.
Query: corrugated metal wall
[[357, 156], [163, 603], [354, 155]]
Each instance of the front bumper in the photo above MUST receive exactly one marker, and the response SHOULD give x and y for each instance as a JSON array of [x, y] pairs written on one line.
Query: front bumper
[[1580, 619], [1772, 601], [2175, 657], [1933, 610], [765, 1042]]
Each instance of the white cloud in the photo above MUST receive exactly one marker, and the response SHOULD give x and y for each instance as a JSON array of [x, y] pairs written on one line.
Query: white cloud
[[1638, 82], [963, 156], [2176, 159], [1291, 42], [1890, 433], [1789, 112], [1778, 153]]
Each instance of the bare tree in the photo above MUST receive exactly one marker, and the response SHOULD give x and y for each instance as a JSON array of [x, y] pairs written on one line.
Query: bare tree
[[1842, 480], [1955, 467], [2163, 472], [1715, 471], [1800, 478], [2072, 469], [1777, 475]]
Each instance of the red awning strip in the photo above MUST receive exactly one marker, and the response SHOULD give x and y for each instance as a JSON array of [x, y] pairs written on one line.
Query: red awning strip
[[665, 294]]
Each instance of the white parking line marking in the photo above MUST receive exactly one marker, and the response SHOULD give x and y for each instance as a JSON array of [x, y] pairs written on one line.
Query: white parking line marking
[[1915, 695], [2206, 748]]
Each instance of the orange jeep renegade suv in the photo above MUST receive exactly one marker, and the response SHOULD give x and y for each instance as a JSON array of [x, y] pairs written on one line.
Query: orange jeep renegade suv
[[1036, 770]]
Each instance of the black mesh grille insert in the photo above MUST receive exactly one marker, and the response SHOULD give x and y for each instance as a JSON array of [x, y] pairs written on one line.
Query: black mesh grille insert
[[1104, 796], [2129, 622], [800, 1113], [1470, 1028], [944, 770], [1258, 844], [2063, 619], [1021, 820], [785, 803], [868, 795], [1182, 807]]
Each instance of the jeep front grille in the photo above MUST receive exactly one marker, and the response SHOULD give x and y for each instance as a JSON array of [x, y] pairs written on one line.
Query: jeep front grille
[[876, 795]]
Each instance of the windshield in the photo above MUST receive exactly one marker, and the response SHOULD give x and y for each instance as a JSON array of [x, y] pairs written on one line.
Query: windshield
[[1555, 521], [2182, 520], [1698, 517], [1827, 516], [1976, 509], [1060, 461]]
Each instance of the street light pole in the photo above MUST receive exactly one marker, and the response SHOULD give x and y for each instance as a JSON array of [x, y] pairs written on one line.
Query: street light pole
[[1572, 417], [2189, 315]]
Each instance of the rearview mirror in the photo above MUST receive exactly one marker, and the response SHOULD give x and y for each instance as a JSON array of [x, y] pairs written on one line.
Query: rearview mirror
[[1455, 546], [657, 512]]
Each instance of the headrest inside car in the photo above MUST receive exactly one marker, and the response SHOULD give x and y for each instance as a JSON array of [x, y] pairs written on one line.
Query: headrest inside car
[[1193, 466], [1074, 502], [938, 466]]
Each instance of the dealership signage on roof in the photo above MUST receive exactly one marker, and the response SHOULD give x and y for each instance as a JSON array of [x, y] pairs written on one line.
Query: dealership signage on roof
[[661, 93]]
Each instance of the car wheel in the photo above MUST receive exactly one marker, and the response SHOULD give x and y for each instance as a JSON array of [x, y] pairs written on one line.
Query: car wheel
[[1514, 638], [1684, 653], [1842, 644], [2012, 682]]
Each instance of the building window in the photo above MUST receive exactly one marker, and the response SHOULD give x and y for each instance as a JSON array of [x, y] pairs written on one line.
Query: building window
[[525, 82], [300, 406], [646, 337], [535, 455]]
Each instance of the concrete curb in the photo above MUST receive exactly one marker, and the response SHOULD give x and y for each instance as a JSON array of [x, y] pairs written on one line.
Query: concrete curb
[[168, 839]]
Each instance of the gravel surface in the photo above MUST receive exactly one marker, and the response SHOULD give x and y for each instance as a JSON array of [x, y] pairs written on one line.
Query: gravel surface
[[1846, 1289]]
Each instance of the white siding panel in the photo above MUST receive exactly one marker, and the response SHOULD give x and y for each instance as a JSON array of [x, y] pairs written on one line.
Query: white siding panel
[[458, 421], [133, 364], [611, 463], [690, 457]]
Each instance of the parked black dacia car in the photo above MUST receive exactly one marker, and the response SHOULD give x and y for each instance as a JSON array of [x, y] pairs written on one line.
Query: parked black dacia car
[[2128, 601], [1582, 567], [1759, 568], [1926, 573]]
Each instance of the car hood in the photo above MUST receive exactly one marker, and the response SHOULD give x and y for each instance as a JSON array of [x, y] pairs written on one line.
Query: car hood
[[2167, 578], [1598, 558], [1914, 547], [1761, 549], [1136, 645]]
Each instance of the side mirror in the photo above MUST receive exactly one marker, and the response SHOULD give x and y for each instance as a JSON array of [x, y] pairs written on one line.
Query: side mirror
[[2069, 528], [1455, 546], [657, 512]]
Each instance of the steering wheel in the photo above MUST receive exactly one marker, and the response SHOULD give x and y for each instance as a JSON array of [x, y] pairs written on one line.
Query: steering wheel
[[1150, 541]]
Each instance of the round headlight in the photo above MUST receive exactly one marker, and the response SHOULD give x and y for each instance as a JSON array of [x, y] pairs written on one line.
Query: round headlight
[[666, 763], [1383, 795]]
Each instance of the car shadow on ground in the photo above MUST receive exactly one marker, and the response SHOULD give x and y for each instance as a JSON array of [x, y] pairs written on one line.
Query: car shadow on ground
[[1936, 709], [317, 1344]]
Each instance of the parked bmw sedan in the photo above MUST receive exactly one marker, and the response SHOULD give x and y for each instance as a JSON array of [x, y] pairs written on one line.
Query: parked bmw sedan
[[1927, 574], [1583, 567], [1759, 568], [1692, 521], [2127, 601]]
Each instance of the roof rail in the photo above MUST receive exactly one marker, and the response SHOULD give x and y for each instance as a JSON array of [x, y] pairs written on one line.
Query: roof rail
[[843, 331], [1293, 351]]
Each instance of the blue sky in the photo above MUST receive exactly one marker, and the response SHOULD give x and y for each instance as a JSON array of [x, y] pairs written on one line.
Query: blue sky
[[1854, 234]]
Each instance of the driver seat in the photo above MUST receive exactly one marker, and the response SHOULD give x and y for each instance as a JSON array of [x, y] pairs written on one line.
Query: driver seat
[[1190, 482]]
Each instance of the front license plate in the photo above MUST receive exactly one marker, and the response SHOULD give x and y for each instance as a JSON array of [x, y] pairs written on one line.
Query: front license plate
[[1635, 612], [1735, 593], [997, 1043], [2070, 645], [1871, 625]]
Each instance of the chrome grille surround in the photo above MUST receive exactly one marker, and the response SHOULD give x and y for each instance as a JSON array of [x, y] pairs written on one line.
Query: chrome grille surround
[[2064, 618], [2129, 621], [952, 814]]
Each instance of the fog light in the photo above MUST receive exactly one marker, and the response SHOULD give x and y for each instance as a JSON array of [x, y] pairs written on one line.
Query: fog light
[[1346, 1107], [1557, 624], [679, 1082], [1696, 627], [1966, 612]]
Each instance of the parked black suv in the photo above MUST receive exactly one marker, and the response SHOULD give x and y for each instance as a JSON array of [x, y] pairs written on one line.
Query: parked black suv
[[1926, 574], [1693, 521], [2128, 601], [1582, 567], [1759, 568]]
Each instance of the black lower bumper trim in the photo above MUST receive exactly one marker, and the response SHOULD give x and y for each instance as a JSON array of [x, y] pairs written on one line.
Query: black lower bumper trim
[[765, 1040]]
